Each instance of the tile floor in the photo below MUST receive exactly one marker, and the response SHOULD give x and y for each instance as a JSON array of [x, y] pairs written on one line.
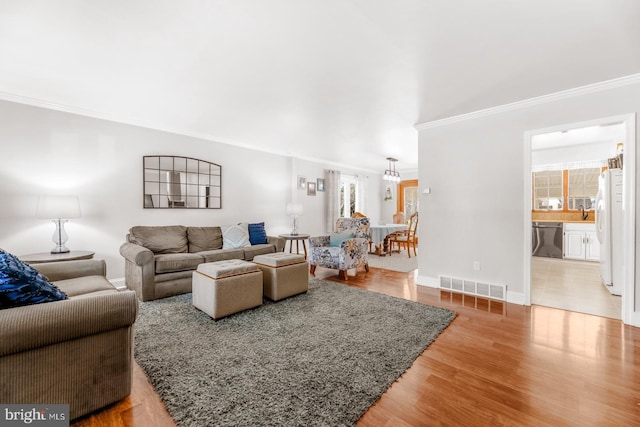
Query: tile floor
[[572, 285]]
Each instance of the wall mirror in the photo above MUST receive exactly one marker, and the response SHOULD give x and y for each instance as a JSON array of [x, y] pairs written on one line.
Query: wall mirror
[[181, 182]]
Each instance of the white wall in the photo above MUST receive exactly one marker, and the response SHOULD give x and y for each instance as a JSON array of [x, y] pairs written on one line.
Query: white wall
[[51, 152], [574, 153], [475, 168]]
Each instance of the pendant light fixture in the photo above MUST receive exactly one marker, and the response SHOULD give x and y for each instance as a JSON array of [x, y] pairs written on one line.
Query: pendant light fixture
[[391, 174]]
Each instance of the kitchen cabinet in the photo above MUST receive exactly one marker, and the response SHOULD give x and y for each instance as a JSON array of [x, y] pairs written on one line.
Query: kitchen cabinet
[[580, 242]]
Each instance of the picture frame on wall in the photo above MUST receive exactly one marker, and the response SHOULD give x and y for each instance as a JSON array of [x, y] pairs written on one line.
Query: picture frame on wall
[[320, 184], [311, 188], [302, 182]]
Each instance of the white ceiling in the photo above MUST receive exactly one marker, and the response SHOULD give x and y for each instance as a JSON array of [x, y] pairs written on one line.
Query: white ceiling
[[341, 81]]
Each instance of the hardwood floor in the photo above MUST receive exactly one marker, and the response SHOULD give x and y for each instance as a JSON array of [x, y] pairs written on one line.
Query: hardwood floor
[[496, 364]]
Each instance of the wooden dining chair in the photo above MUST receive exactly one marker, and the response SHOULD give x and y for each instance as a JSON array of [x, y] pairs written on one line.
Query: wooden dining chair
[[399, 218], [408, 237]]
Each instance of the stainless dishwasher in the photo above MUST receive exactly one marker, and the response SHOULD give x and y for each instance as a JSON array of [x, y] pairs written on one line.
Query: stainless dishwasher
[[547, 239]]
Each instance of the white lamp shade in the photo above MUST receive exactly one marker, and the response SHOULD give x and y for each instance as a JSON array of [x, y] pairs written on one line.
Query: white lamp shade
[[294, 208], [58, 207]]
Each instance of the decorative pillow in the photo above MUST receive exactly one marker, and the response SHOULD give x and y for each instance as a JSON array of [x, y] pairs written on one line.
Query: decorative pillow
[[257, 234], [336, 239], [21, 284], [235, 236]]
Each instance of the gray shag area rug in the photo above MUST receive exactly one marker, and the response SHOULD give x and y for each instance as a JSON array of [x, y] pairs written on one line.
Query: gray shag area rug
[[396, 262], [317, 359]]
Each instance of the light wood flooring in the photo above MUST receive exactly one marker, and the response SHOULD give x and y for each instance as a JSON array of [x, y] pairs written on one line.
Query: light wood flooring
[[497, 364], [572, 285]]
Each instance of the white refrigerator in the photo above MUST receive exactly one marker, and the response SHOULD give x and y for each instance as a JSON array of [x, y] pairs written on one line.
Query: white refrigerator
[[609, 229]]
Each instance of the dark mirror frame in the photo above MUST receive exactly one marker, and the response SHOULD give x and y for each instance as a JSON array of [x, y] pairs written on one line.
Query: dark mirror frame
[[171, 182]]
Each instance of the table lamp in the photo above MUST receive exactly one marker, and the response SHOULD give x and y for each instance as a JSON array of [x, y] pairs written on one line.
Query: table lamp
[[294, 210], [58, 209]]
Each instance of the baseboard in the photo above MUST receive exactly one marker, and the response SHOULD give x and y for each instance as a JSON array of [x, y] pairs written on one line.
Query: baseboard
[[515, 297], [118, 283], [431, 282]]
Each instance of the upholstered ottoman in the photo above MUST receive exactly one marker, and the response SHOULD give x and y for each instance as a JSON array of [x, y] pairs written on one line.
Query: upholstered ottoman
[[222, 288], [283, 274]]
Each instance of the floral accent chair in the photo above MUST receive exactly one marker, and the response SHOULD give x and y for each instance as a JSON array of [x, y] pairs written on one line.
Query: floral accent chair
[[347, 248]]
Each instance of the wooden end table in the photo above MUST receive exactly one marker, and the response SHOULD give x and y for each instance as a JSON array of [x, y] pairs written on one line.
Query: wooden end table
[[297, 237], [41, 257]]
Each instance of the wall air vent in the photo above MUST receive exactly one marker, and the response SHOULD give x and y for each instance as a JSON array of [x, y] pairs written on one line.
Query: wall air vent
[[471, 287]]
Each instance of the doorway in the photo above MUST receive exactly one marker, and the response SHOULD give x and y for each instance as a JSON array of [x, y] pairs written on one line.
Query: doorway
[[575, 282], [408, 197]]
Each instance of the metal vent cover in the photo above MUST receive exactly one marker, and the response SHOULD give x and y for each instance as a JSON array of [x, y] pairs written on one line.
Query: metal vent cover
[[471, 287]]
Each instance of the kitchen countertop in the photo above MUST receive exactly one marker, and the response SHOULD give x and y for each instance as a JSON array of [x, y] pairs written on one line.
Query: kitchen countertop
[[589, 221]]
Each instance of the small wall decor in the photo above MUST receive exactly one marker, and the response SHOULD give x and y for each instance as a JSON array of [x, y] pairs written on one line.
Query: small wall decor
[[302, 182], [387, 194], [311, 188], [320, 184], [181, 182]]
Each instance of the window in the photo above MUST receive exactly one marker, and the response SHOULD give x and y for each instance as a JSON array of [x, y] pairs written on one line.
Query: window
[[348, 195], [547, 190], [566, 189], [582, 188]]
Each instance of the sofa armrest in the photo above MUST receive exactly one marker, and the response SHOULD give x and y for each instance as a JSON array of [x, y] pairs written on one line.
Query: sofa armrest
[[71, 269], [139, 255], [33, 326], [319, 241], [139, 270], [278, 242]]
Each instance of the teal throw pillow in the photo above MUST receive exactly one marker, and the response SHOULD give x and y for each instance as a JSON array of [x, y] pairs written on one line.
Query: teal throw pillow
[[21, 284], [336, 239]]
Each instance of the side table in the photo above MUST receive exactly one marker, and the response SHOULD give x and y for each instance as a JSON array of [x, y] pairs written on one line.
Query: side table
[[297, 237], [49, 257]]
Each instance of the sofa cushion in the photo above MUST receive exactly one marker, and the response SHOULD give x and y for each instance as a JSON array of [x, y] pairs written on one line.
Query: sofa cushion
[[253, 250], [21, 284], [222, 254], [235, 236], [257, 234], [166, 263], [170, 239], [85, 285], [204, 238]]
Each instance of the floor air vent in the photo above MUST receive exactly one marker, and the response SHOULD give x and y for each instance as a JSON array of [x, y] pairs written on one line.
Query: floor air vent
[[471, 287]]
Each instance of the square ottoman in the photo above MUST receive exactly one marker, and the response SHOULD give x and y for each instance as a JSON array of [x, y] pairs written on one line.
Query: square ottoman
[[284, 274], [222, 288]]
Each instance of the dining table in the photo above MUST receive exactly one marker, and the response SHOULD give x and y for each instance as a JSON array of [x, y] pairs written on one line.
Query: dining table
[[379, 235]]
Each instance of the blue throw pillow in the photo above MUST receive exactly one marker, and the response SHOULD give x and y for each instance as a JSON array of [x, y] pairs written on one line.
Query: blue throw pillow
[[21, 284], [336, 239], [257, 234]]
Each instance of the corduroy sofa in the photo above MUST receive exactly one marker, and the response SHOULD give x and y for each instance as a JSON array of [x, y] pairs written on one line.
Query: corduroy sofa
[[160, 260], [78, 351]]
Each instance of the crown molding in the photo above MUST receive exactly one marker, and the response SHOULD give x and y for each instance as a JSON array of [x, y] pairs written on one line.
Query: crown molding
[[581, 90]]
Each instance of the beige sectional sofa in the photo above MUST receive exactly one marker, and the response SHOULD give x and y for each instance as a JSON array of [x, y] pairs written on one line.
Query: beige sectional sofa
[[77, 351], [160, 260]]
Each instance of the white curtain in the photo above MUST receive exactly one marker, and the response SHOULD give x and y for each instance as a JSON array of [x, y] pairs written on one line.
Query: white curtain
[[363, 190], [332, 188]]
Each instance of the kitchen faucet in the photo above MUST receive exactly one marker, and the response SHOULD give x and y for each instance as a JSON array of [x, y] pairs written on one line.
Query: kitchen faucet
[[585, 214]]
